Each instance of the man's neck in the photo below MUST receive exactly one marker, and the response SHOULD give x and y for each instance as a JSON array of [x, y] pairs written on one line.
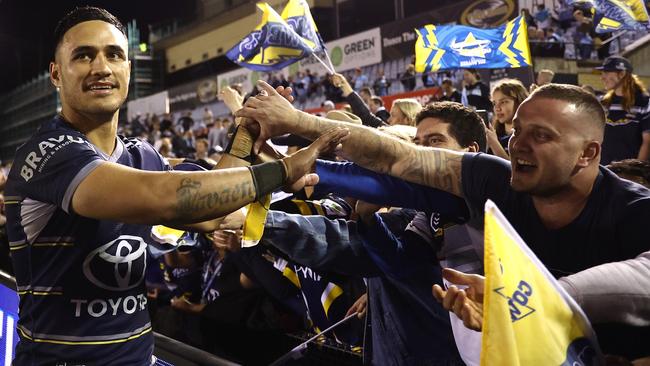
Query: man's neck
[[560, 209], [100, 130]]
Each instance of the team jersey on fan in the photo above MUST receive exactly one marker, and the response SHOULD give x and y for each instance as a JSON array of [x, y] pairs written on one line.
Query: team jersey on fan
[[80, 280]]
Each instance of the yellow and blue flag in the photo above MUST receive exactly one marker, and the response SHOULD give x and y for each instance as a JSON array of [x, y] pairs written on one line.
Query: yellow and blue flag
[[528, 319], [272, 45], [298, 16], [613, 15], [458, 46]]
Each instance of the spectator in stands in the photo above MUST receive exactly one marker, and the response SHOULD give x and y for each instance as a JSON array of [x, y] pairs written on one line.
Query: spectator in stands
[[137, 126], [381, 84], [360, 80], [475, 90], [402, 112], [201, 149], [530, 20], [377, 108], [208, 117], [544, 76], [165, 148], [449, 93], [327, 106], [366, 95], [553, 191], [542, 17], [627, 133], [507, 95], [408, 78]]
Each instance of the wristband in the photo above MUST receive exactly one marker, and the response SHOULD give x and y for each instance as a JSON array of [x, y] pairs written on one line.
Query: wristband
[[268, 177], [241, 145]]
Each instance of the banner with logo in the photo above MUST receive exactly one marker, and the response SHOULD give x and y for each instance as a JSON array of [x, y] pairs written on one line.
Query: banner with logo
[[528, 319], [398, 37], [458, 46], [193, 95], [358, 50]]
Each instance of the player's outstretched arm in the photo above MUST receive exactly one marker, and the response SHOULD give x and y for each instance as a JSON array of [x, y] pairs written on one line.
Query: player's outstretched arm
[[116, 192]]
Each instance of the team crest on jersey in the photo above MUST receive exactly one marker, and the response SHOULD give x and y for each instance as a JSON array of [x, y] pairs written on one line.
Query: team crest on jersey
[[118, 265]]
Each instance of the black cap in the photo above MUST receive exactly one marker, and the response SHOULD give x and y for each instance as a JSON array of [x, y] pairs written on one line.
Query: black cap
[[616, 63]]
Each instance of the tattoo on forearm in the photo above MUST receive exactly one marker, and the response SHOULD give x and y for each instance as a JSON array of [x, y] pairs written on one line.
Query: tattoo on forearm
[[435, 168], [190, 199]]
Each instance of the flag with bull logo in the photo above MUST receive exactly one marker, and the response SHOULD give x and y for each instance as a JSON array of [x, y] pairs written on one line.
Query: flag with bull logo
[[528, 319], [272, 45], [459, 46]]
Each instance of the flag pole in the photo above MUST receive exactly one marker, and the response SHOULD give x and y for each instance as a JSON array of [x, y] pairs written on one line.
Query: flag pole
[[330, 69], [327, 57]]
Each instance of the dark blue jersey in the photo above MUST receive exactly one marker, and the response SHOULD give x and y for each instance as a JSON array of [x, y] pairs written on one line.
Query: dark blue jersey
[[624, 129], [80, 280]]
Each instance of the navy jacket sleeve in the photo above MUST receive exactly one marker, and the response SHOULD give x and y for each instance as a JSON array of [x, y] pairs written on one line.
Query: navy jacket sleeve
[[361, 109], [351, 180], [320, 243], [398, 257]]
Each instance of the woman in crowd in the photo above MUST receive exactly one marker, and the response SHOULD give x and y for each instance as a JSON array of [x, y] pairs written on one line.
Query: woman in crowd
[[627, 133], [507, 95]]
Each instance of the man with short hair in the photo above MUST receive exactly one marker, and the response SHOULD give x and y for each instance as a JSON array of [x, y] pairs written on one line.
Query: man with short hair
[[571, 212], [81, 201], [406, 326], [377, 108]]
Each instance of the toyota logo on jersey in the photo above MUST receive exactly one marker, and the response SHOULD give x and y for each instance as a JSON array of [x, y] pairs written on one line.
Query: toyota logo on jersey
[[118, 265]]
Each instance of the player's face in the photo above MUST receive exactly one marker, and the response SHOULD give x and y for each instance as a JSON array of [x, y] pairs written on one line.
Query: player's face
[[433, 132], [545, 146], [92, 69]]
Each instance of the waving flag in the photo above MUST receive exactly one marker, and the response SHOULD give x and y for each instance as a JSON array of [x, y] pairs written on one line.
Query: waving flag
[[298, 16], [272, 45], [528, 319], [613, 15], [459, 46]]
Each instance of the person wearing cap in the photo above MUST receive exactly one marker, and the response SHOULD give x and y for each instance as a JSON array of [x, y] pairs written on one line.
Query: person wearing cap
[[627, 132]]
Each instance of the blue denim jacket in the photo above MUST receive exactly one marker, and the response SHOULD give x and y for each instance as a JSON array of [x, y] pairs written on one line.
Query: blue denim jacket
[[408, 327]]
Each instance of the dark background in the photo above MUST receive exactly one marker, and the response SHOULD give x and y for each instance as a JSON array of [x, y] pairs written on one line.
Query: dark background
[[27, 28]]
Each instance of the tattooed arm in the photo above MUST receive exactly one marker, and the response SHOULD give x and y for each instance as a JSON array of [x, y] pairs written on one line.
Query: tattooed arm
[[372, 149], [116, 192]]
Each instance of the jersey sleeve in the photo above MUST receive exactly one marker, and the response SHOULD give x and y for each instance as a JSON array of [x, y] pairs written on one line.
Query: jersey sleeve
[[484, 176], [49, 168], [351, 180]]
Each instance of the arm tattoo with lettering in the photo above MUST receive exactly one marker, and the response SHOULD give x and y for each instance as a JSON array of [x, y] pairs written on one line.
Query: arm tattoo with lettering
[[190, 199]]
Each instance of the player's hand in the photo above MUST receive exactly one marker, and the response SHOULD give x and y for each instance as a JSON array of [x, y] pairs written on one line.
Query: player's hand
[[300, 165], [467, 304], [269, 115]]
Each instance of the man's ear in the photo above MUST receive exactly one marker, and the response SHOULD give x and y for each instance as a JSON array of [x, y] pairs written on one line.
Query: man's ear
[[55, 74], [590, 153]]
